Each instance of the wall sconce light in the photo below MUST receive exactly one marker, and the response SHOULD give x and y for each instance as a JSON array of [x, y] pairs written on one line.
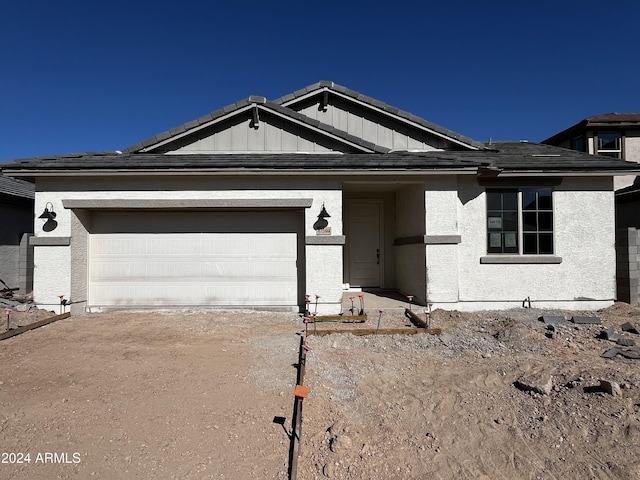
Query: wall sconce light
[[49, 215], [322, 223]]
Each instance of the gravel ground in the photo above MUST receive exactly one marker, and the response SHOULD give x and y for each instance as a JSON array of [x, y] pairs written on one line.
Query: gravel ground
[[195, 395]]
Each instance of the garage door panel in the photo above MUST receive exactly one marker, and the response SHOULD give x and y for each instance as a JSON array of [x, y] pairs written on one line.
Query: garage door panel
[[188, 295], [236, 269]]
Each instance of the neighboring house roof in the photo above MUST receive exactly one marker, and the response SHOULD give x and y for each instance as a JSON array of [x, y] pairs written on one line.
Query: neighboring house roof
[[613, 118], [605, 120], [327, 85], [519, 157], [16, 188]]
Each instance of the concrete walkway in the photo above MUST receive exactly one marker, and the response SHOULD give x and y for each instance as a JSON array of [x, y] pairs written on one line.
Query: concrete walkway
[[377, 299]]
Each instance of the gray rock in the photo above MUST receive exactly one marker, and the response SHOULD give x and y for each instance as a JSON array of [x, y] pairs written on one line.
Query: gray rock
[[341, 444], [586, 320], [540, 383], [611, 353], [329, 470], [625, 342], [23, 307], [630, 327], [612, 388], [552, 319], [610, 334], [634, 355]]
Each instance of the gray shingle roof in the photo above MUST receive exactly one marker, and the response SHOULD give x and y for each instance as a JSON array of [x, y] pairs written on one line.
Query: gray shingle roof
[[519, 156], [380, 105], [16, 188], [275, 162], [508, 156]]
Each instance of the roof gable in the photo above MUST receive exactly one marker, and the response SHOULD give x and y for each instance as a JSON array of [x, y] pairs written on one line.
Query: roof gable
[[373, 120], [254, 125]]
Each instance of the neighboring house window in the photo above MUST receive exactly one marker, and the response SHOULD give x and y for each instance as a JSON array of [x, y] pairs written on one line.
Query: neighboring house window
[[610, 144], [520, 221], [578, 144]]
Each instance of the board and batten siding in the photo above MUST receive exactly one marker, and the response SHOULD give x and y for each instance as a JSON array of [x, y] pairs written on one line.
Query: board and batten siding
[[272, 134], [376, 128]]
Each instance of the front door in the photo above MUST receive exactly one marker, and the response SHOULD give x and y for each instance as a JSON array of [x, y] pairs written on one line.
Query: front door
[[363, 239]]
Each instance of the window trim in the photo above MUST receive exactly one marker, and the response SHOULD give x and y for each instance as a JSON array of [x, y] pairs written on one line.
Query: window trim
[[520, 257], [506, 258], [608, 152]]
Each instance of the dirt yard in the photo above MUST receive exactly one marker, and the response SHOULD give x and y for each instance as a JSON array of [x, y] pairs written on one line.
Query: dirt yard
[[194, 395]]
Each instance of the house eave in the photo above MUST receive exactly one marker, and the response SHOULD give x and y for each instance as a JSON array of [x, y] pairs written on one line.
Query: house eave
[[566, 173], [244, 171]]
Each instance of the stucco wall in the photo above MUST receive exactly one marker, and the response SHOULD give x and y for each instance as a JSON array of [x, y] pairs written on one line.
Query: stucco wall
[[442, 213], [632, 146], [410, 211], [51, 276], [410, 271], [441, 206], [321, 191], [54, 262], [410, 259], [631, 154], [584, 239], [324, 276]]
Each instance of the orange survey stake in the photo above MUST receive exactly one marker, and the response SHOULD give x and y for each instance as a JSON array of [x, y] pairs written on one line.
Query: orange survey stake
[[301, 391]]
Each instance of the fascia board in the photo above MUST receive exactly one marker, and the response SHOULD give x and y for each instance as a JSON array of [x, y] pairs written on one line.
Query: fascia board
[[564, 173], [263, 108], [307, 95], [241, 171], [198, 128]]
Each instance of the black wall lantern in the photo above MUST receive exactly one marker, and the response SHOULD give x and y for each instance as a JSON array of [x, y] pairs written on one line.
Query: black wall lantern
[[322, 223], [49, 215]]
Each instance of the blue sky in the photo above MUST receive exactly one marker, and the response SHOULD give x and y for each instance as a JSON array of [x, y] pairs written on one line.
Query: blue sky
[[91, 76]]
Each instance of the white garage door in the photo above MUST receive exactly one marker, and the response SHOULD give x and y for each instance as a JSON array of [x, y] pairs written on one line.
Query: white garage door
[[232, 267]]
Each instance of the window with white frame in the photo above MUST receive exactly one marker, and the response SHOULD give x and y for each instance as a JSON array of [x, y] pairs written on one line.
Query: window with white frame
[[610, 144], [520, 221]]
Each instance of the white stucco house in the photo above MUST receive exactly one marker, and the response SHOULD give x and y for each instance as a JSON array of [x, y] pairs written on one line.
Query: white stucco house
[[322, 190]]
